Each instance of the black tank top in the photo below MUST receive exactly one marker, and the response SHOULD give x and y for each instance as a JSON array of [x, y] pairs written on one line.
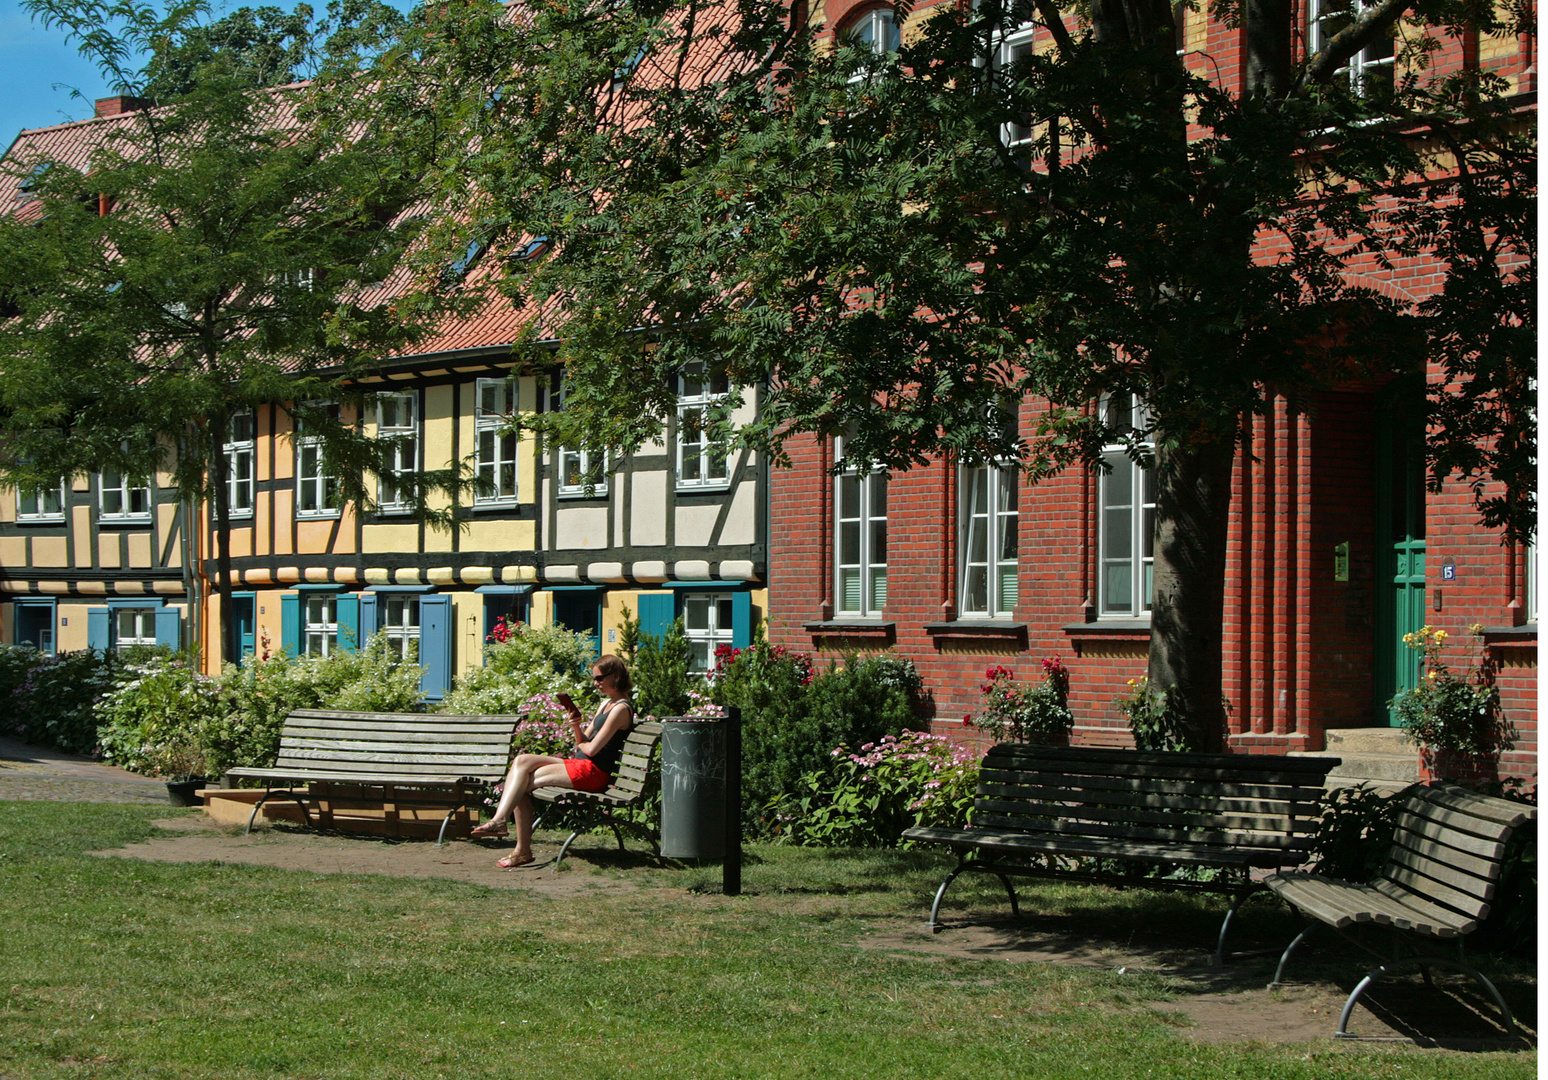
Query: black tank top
[[608, 757]]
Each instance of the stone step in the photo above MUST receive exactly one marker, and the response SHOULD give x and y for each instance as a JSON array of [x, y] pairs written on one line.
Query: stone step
[[1385, 772], [1370, 740]]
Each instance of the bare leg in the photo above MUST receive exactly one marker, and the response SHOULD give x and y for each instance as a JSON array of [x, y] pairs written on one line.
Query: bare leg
[[518, 782], [554, 775]]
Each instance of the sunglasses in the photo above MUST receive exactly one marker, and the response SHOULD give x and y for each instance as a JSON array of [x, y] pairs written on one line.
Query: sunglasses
[[598, 678]]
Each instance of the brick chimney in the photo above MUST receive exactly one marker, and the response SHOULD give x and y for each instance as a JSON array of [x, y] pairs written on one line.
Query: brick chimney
[[114, 106]]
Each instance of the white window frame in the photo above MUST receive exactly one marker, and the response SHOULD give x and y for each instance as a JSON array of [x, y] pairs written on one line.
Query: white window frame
[[494, 452], [241, 466], [313, 484], [857, 535], [881, 24], [142, 630], [572, 463], [319, 624], [1125, 529], [405, 426], [398, 617], [39, 503], [1365, 68], [988, 511], [110, 482], [715, 631], [696, 395], [1008, 48]]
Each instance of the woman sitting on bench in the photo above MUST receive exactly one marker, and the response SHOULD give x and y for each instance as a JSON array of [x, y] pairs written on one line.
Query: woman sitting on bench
[[590, 768]]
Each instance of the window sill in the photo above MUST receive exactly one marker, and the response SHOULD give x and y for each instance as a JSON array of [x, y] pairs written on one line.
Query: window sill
[[124, 519], [501, 504], [598, 492], [55, 519], [869, 629], [704, 488], [979, 629], [1109, 630], [1511, 637], [318, 515]]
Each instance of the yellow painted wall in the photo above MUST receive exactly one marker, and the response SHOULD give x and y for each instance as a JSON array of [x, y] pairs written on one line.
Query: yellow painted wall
[[50, 551], [70, 625]]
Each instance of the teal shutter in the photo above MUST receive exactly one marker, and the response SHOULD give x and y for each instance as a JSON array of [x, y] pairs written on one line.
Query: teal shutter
[[435, 646], [99, 629], [368, 617], [290, 624], [741, 620], [349, 622], [657, 611], [169, 627]]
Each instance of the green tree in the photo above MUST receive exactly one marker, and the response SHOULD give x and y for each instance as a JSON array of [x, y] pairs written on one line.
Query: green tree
[[854, 232], [180, 266]]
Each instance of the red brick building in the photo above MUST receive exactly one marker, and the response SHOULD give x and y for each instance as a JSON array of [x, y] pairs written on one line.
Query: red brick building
[[1336, 549]]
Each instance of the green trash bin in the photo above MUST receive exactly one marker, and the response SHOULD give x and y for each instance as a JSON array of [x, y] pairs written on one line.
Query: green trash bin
[[693, 789]]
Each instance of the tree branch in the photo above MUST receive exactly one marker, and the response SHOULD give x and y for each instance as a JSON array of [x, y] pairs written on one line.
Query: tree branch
[[1372, 23]]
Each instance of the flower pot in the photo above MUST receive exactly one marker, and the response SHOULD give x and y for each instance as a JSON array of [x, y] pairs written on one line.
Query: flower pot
[[185, 792]]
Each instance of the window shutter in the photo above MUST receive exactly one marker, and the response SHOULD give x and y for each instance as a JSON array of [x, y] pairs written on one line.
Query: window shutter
[[368, 617], [290, 624], [169, 627], [435, 646], [657, 611], [741, 620], [349, 622], [99, 629]]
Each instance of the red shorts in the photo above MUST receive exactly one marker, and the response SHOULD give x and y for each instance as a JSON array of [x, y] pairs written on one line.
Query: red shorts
[[585, 776]]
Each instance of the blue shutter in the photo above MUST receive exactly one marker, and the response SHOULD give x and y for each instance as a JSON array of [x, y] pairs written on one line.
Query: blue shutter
[[435, 646], [741, 620], [367, 617], [169, 627], [99, 629], [349, 622], [657, 611], [290, 624]]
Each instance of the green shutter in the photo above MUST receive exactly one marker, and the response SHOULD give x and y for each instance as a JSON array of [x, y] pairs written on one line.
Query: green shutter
[[99, 629], [290, 624], [349, 622], [741, 620], [657, 612], [435, 646], [169, 627]]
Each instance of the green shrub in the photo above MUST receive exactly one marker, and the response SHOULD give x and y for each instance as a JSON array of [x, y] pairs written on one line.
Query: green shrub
[[158, 717], [663, 686], [1354, 832], [52, 706], [533, 660], [1015, 714], [15, 662], [867, 799]]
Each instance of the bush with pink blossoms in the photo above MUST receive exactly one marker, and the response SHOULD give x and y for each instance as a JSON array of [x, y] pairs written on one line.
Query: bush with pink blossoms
[[870, 797]]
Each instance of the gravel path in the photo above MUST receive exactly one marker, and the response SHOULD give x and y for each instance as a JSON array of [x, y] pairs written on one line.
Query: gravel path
[[30, 772]]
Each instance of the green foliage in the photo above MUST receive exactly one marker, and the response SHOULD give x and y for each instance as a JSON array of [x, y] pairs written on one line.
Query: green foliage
[[662, 681], [159, 717], [867, 799], [532, 661], [52, 705], [1039, 715], [1354, 832], [1447, 711], [15, 662], [1154, 716]]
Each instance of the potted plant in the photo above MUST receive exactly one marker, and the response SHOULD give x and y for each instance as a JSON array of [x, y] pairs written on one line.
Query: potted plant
[[1454, 718], [184, 765]]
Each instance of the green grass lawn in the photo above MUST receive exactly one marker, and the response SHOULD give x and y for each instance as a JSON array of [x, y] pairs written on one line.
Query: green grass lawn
[[122, 968]]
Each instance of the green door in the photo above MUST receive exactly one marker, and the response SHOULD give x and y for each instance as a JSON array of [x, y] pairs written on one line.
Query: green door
[[1400, 607]]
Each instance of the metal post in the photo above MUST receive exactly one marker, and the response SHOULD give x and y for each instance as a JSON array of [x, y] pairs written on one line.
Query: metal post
[[731, 867]]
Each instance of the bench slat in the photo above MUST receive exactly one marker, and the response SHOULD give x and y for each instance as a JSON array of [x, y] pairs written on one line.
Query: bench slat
[[1139, 813]]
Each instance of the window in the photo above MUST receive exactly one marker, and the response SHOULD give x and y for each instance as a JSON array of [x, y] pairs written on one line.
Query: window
[[320, 625], [1009, 50], [990, 571], [45, 504], [1126, 519], [1370, 71], [578, 468], [876, 30], [121, 499], [861, 518], [134, 626], [702, 460], [317, 493], [495, 447], [399, 620], [707, 619], [241, 457], [397, 418]]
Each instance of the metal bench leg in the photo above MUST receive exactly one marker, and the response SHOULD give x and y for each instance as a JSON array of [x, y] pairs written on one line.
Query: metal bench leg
[[565, 847], [305, 816], [1225, 927], [935, 908], [1423, 962], [1285, 956]]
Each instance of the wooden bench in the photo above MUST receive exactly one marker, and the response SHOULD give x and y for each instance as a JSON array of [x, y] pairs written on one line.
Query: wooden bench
[[394, 760], [597, 807], [1111, 816], [1446, 856]]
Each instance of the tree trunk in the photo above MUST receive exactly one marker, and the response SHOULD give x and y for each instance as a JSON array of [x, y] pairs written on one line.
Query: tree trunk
[[1193, 497]]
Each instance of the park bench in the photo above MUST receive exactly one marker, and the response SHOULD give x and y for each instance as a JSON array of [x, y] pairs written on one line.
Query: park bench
[[1446, 856], [391, 760], [1100, 815], [597, 807]]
